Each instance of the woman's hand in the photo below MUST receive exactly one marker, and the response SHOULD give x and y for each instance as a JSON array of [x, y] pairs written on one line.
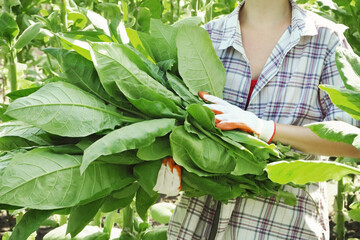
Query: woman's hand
[[169, 178], [228, 117]]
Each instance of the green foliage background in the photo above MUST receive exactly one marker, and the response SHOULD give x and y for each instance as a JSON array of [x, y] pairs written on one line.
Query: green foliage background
[[34, 68]]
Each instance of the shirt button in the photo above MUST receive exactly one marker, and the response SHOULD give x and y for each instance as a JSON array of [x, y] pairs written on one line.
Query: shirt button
[[240, 100]]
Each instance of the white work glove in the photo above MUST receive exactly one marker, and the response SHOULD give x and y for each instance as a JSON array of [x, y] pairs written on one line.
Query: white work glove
[[169, 178], [229, 117]]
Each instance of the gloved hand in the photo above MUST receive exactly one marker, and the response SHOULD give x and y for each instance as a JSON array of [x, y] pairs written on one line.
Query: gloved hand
[[229, 117], [169, 178]]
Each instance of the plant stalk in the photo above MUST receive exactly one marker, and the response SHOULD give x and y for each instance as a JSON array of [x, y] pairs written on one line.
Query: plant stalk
[[172, 8], [3, 82], [63, 16], [97, 219], [19, 216], [63, 219], [340, 217], [12, 72], [194, 6], [128, 219], [208, 14], [125, 10], [178, 9], [109, 222]]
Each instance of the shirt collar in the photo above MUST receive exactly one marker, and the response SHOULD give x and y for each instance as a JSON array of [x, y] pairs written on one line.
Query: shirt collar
[[301, 25]]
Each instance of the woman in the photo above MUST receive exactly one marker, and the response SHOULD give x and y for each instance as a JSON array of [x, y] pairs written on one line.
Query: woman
[[276, 55]]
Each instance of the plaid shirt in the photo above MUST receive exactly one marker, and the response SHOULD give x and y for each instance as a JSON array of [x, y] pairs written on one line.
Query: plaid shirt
[[286, 92]]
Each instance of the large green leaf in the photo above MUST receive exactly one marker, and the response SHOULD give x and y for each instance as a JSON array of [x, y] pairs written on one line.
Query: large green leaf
[[204, 153], [112, 204], [246, 162], [143, 19], [203, 115], [337, 131], [163, 40], [22, 93], [143, 202], [346, 100], [80, 46], [15, 134], [303, 172], [245, 138], [29, 223], [81, 72], [29, 33], [146, 174], [218, 187], [193, 20], [126, 138], [181, 89], [155, 151], [199, 66], [41, 179], [64, 109], [116, 27], [149, 101], [127, 191], [98, 21], [81, 215], [5, 158], [79, 41], [125, 158], [138, 41], [148, 66], [9, 28], [154, 6], [116, 63], [348, 64], [120, 198]]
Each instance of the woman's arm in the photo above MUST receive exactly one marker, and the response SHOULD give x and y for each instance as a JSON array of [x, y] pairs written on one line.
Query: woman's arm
[[304, 140], [228, 116]]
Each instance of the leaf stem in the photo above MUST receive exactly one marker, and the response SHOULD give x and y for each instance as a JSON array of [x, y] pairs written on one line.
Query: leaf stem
[[194, 6], [208, 10], [125, 10], [128, 219], [340, 218], [12, 71], [19, 216], [63, 219], [172, 12], [97, 219], [63, 15], [109, 222]]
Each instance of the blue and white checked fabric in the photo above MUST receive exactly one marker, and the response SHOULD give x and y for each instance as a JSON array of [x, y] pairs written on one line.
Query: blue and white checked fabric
[[286, 92]]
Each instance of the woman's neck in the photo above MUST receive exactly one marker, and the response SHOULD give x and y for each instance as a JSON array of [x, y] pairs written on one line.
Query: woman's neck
[[265, 13]]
